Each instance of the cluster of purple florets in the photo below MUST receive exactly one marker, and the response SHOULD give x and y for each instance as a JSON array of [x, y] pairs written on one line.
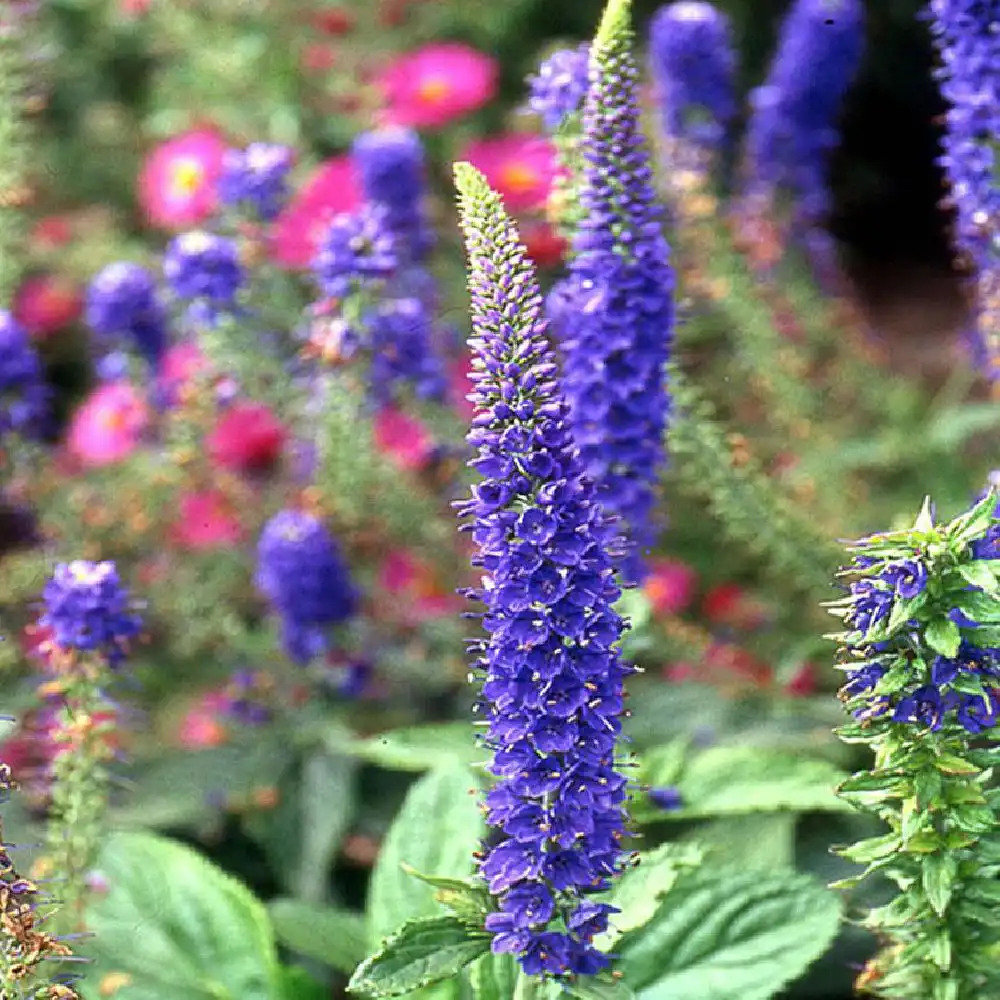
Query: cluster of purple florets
[[370, 268], [614, 313], [792, 129], [302, 574], [122, 301], [24, 395], [88, 610], [560, 86], [358, 249], [256, 178], [391, 167], [203, 267], [693, 64], [924, 694], [553, 678]]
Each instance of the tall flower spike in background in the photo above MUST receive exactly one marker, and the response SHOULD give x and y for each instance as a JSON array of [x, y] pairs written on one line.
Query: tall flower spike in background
[[87, 610], [793, 125], [923, 686], [553, 678], [967, 36], [614, 313], [693, 66]]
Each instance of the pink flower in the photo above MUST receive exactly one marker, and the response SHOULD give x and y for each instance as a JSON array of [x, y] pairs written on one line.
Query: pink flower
[[205, 521], [544, 244], [402, 438], [179, 365], [520, 165], [459, 387], [436, 84], [200, 726], [178, 181], [45, 303], [247, 438], [669, 586], [419, 596], [333, 188], [108, 425], [51, 232]]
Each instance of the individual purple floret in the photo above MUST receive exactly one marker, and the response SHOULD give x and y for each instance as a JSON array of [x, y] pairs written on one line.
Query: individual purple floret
[[203, 267], [793, 126], [553, 677], [358, 248], [560, 85], [614, 314], [391, 165], [88, 610], [693, 66], [301, 572], [24, 395], [967, 37], [256, 178], [122, 301]]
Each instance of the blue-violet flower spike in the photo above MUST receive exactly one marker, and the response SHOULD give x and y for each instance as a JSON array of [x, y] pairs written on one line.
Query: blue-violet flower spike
[[553, 677], [614, 313]]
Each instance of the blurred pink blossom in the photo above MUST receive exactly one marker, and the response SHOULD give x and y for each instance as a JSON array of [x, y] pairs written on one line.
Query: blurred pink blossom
[[545, 246], [108, 425], [179, 365], [403, 575], [247, 438], [45, 303], [436, 84], [402, 438], [331, 189], [669, 586], [200, 726], [519, 165], [205, 520], [178, 180]]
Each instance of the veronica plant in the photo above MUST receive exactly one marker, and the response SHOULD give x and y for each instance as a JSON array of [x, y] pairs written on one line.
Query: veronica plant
[[921, 654], [87, 612]]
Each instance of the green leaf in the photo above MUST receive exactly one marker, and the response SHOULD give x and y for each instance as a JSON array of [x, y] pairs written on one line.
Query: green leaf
[[297, 984], [760, 841], [179, 926], [732, 780], [419, 748], [335, 937], [600, 988], [494, 977], [943, 636], [979, 575], [904, 610], [437, 830], [420, 953], [638, 892], [871, 849], [468, 899], [730, 935], [938, 873], [662, 765], [973, 523]]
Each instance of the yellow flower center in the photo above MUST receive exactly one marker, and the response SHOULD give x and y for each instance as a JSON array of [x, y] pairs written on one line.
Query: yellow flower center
[[433, 89], [519, 177], [187, 176]]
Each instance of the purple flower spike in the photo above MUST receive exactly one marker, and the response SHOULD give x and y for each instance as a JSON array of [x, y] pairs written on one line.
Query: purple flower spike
[[614, 313], [256, 178], [392, 168], [792, 129], [87, 609], [24, 396], [302, 574], [122, 301], [560, 85], [967, 37], [203, 267], [553, 677], [693, 64]]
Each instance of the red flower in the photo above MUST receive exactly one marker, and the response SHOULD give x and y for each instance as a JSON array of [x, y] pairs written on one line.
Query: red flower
[[544, 244], [729, 604], [205, 521], [45, 303], [246, 438], [669, 586], [402, 438]]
